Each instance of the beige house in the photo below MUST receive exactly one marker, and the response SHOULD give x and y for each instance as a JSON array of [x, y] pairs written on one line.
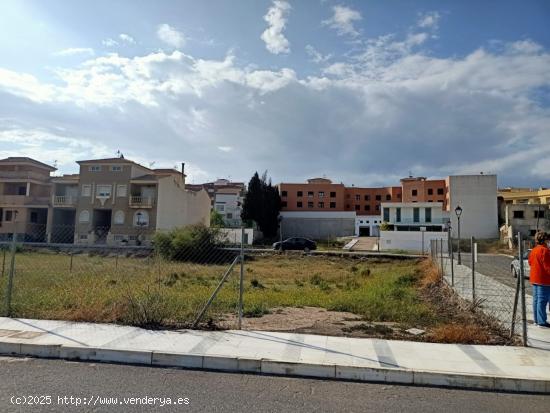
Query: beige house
[[24, 198], [111, 201]]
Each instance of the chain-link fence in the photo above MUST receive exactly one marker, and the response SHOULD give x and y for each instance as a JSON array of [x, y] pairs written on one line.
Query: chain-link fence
[[122, 274], [491, 283]]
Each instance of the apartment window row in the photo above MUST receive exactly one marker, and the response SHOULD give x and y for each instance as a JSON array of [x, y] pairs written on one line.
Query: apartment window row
[[367, 197], [440, 191], [416, 214], [140, 218], [521, 214], [310, 194], [99, 168], [105, 191], [311, 204]]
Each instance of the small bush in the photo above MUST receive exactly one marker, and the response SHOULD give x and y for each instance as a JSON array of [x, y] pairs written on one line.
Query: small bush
[[256, 284], [255, 310], [146, 309], [460, 333]]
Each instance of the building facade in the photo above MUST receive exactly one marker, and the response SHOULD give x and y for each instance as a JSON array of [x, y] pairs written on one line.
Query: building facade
[[226, 198]]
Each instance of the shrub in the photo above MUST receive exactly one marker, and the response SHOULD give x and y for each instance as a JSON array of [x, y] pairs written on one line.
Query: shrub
[[145, 309], [194, 243]]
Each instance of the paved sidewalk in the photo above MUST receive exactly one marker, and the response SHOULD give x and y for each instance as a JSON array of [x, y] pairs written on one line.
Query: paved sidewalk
[[479, 367], [498, 301]]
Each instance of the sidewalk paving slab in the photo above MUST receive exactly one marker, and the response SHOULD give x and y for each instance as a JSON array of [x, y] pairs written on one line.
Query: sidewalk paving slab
[[466, 366]]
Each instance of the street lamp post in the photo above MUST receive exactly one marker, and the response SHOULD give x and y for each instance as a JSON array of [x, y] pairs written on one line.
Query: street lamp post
[[458, 212]]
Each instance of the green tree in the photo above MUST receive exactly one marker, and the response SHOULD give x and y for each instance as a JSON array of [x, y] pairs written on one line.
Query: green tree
[[216, 219], [262, 204]]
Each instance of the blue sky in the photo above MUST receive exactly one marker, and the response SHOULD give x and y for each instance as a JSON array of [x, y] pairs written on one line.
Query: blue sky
[[360, 91]]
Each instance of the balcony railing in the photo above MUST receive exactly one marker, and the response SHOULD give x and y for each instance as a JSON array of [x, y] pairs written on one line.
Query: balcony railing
[[410, 221], [64, 200], [24, 200], [141, 201], [23, 175]]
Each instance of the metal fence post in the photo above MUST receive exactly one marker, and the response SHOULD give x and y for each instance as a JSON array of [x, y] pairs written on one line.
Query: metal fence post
[[11, 270], [522, 287], [241, 281], [472, 241], [441, 258], [71, 264]]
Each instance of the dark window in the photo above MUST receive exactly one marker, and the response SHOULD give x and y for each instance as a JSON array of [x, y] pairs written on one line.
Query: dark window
[[299, 204], [321, 194], [284, 193], [367, 197], [428, 214], [348, 196], [416, 214], [283, 204], [367, 207], [539, 214], [397, 214], [357, 197], [333, 194], [33, 218], [518, 214], [348, 206], [22, 190], [310, 194], [377, 207], [310, 204], [414, 192], [333, 204], [299, 193], [386, 214], [9, 215], [440, 191], [378, 197], [357, 207], [388, 197], [430, 191], [321, 205], [399, 196]]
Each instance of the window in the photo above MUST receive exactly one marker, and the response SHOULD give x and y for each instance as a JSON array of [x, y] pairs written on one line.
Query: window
[[95, 168], [86, 190], [428, 214], [310, 194], [539, 214], [386, 214], [84, 217], [284, 193], [299, 194], [397, 214], [333, 194], [398, 196], [321, 194], [118, 237], [357, 207], [518, 214], [21, 190], [367, 197], [283, 204], [430, 191], [348, 206], [367, 207], [141, 219], [440, 191], [9, 216], [378, 197], [104, 191], [357, 197], [348, 196], [33, 217], [414, 192], [119, 217], [116, 168], [416, 214], [121, 191], [333, 205], [321, 205], [310, 204], [220, 207], [83, 237], [388, 197], [299, 204], [230, 215], [377, 207]]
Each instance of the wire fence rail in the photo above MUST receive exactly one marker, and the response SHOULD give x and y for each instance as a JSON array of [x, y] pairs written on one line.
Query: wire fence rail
[[505, 303]]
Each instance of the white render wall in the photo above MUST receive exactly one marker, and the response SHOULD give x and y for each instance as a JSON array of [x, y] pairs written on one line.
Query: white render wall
[[410, 240], [477, 196], [371, 221], [439, 217]]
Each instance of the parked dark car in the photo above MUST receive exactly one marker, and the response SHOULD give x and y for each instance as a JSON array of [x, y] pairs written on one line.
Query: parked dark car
[[300, 244]]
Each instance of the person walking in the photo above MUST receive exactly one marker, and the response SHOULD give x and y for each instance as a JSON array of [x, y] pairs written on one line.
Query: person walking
[[539, 263]]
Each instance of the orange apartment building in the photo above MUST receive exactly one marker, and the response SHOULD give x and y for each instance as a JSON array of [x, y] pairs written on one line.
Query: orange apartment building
[[420, 189]]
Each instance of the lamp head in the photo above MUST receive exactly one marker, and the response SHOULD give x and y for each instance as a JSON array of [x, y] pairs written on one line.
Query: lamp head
[[458, 211]]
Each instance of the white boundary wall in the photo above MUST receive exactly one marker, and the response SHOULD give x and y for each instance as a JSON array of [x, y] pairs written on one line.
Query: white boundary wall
[[410, 240]]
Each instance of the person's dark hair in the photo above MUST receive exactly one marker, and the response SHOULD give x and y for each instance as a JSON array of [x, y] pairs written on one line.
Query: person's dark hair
[[541, 237]]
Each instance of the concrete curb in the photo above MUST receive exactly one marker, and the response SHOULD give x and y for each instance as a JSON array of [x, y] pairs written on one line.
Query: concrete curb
[[280, 368]]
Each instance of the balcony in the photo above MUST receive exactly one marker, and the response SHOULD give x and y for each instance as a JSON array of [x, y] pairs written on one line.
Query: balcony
[[141, 202], [23, 200], [421, 222], [64, 201]]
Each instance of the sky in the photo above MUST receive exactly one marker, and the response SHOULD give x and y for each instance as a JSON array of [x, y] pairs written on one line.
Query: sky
[[362, 92]]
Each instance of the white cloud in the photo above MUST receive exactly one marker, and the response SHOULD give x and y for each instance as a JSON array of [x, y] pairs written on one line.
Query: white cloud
[[343, 19], [225, 148], [429, 20], [126, 38], [316, 56], [171, 36], [276, 17], [71, 51], [109, 42]]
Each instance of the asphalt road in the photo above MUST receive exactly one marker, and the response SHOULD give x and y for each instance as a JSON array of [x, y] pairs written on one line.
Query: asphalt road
[[495, 266], [225, 392]]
